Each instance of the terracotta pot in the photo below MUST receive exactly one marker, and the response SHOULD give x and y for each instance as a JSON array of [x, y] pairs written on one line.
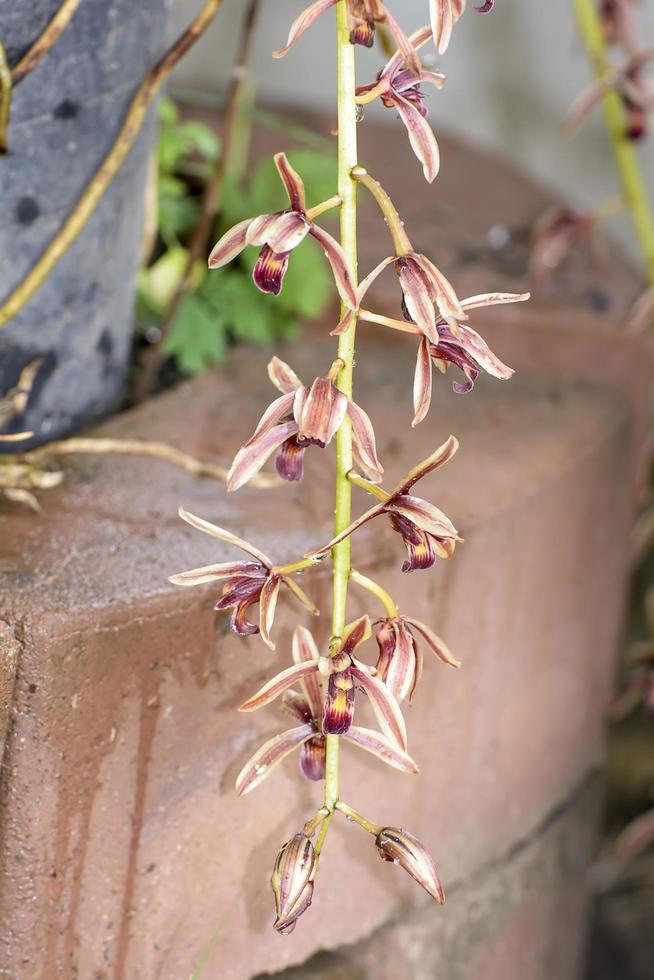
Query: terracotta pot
[[65, 117]]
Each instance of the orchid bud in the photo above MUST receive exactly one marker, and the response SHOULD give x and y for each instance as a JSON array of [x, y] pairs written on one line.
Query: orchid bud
[[292, 881], [404, 849]]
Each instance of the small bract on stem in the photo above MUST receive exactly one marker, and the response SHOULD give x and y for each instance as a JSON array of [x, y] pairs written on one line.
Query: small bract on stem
[[325, 683]]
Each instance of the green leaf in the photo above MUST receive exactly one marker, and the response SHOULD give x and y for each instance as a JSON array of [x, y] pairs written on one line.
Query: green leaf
[[197, 337], [308, 282], [168, 111], [201, 139], [158, 282]]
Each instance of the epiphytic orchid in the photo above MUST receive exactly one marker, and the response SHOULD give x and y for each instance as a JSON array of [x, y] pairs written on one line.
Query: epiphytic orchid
[[344, 671], [247, 582], [364, 15], [302, 417], [279, 234], [400, 657], [427, 532], [307, 708], [398, 87]]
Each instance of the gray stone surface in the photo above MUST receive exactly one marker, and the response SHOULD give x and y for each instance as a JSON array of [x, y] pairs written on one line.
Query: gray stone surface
[[65, 117]]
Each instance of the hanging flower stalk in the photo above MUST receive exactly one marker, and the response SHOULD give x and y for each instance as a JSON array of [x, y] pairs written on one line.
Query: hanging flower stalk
[[323, 685]]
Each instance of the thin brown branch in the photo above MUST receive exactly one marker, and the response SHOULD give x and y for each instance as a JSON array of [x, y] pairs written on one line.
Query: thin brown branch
[[108, 169], [44, 41], [210, 203], [138, 447]]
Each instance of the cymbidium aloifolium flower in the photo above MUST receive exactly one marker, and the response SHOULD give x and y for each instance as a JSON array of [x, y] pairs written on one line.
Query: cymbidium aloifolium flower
[[364, 15], [306, 706], [302, 417], [292, 880], [279, 234], [427, 532], [345, 673], [255, 580], [400, 659], [400, 847], [398, 87]]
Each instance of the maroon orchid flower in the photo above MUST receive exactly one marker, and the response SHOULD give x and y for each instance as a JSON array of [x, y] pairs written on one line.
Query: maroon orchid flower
[[246, 582], [633, 88], [400, 658], [307, 708], [279, 234], [426, 531], [457, 344], [344, 672], [398, 87], [364, 16], [302, 417]]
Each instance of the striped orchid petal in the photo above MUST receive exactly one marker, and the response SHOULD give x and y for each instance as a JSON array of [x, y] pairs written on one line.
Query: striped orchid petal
[[292, 182], [340, 268], [251, 457], [422, 382], [213, 573], [282, 376], [257, 233], [434, 642], [230, 245], [442, 455], [476, 347], [274, 414], [304, 650], [444, 15], [365, 448], [286, 233], [280, 683], [355, 634], [379, 746], [421, 136], [218, 532], [424, 515], [386, 709], [302, 23], [267, 607], [319, 411], [418, 295], [399, 675], [445, 298], [354, 526], [268, 756], [493, 299]]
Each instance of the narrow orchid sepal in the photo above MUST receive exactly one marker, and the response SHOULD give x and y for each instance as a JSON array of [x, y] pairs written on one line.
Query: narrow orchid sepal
[[268, 757], [277, 685], [383, 703], [382, 748]]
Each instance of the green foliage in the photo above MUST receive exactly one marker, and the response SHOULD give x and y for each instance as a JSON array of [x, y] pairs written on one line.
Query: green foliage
[[224, 306]]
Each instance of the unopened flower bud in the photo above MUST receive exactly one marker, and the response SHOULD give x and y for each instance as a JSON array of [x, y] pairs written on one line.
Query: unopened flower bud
[[404, 849], [292, 881]]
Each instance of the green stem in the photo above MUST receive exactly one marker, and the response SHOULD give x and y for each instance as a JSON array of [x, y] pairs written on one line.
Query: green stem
[[358, 818], [626, 157], [375, 589], [347, 159]]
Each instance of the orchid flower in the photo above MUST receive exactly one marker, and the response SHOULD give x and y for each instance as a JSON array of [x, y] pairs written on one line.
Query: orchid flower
[[246, 582], [633, 88], [398, 87], [400, 658], [279, 234], [444, 15], [344, 671], [301, 417], [307, 708], [427, 532], [364, 15]]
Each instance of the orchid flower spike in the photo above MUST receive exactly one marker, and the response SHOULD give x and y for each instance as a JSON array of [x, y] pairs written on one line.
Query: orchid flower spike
[[302, 417], [427, 532], [254, 580], [398, 87], [364, 15], [306, 706], [279, 234]]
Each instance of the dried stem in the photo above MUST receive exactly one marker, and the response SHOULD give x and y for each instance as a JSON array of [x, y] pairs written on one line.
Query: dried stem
[[211, 201], [45, 40], [136, 447], [108, 169], [626, 157], [5, 97]]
